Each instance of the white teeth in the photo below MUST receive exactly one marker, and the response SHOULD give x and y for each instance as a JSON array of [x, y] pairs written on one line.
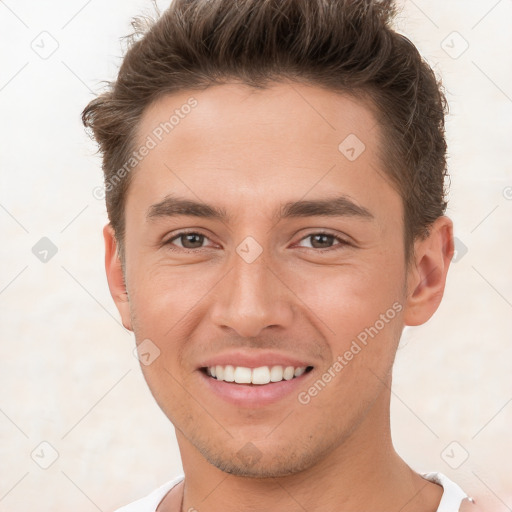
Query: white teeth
[[242, 375], [299, 371], [261, 375], [288, 373], [229, 373], [276, 374]]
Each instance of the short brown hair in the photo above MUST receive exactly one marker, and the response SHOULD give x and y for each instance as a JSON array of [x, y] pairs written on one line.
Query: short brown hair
[[343, 45]]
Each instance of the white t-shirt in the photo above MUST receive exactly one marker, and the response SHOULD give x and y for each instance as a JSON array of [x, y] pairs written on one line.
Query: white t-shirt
[[450, 501]]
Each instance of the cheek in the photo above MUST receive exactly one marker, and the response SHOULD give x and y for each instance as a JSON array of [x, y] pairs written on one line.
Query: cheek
[[347, 298], [359, 314], [163, 295], [358, 310]]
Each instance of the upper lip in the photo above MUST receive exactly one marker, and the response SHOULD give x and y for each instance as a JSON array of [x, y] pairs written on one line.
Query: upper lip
[[254, 359]]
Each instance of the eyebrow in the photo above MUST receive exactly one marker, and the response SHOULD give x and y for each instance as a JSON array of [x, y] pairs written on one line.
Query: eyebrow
[[339, 206]]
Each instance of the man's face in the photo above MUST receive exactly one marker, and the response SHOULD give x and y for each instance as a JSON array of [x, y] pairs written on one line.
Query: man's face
[[255, 290]]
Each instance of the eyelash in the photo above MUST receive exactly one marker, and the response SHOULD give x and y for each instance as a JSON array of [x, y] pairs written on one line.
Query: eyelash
[[342, 241]]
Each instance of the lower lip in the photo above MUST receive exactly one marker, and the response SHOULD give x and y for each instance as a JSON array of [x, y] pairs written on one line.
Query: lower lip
[[255, 395]]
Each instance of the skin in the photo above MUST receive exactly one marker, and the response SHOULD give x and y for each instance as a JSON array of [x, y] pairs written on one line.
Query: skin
[[249, 151]]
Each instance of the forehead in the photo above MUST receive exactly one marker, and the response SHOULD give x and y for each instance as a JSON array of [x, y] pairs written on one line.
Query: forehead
[[236, 144], [291, 111]]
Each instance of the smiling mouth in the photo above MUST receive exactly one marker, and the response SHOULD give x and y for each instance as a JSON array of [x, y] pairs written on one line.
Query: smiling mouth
[[255, 376]]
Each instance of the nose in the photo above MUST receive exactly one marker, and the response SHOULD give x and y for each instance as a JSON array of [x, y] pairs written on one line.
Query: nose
[[251, 297]]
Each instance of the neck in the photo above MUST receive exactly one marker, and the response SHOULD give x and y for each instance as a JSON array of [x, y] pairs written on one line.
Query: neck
[[363, 472]]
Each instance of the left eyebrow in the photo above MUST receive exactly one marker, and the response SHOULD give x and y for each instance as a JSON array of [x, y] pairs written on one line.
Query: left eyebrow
[[340, 206]]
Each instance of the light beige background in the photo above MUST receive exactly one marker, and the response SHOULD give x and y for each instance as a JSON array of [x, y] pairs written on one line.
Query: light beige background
[[68, 374]]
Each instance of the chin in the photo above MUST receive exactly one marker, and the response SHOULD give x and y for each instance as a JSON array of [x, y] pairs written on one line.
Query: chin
[[251, 462]]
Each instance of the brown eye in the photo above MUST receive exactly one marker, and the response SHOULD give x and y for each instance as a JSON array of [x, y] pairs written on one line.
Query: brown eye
[[188, 240], [323, 241], [192, 240]]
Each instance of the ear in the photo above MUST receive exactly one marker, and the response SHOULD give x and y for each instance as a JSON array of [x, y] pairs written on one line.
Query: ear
[[426, 276], [115, 278]]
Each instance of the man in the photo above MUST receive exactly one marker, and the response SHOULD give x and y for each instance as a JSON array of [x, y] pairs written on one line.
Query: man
[[274, 176]]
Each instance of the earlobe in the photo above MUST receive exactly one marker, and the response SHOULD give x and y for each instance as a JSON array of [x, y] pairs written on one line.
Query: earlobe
[[115, 277], [427, 275]]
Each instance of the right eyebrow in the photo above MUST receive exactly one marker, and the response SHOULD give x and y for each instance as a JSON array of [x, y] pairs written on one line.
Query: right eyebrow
[[173, 206]]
